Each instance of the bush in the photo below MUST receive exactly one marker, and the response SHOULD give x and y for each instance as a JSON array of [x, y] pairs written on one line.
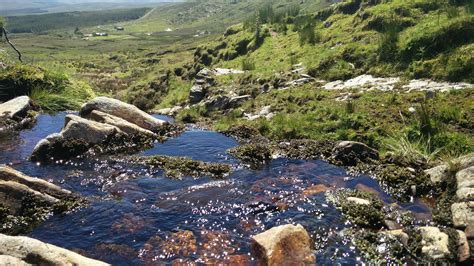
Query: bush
[[248, 64], [458, 32]]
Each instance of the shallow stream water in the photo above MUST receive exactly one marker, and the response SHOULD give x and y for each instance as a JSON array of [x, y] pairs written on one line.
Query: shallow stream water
[[140, 217]]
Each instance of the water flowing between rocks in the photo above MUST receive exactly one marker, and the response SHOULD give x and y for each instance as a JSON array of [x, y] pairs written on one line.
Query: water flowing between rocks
[[137, 216]]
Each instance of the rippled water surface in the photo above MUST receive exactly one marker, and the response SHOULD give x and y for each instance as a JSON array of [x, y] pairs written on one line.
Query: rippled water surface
[[138, 217]]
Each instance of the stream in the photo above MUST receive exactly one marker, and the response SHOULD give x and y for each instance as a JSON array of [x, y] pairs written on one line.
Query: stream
[[136, 216]]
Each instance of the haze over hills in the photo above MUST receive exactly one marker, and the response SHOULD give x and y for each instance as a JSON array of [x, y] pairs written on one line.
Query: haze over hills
[[28, 7]]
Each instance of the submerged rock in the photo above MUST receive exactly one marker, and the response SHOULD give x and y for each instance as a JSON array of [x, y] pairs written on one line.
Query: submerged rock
[[284, 245], [24, 250], [351, 152], [177, 167], [123, 110], [17, 114]]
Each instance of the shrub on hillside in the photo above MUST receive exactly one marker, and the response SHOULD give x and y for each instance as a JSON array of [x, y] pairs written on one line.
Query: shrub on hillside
[[427, 45]]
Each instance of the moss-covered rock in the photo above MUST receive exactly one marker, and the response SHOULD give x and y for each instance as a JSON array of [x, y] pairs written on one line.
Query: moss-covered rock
[[360, 208], [177, 167], [403, 182], [253, 153]]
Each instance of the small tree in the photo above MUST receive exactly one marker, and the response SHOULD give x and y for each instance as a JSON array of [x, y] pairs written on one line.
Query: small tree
[[3, 32]]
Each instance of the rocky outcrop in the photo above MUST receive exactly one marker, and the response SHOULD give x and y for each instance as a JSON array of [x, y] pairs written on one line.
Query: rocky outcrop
[[284, 245], [26, 201], [368, 82], [21, 250], [350, 152], [17, 114], [225, 102], [106, 126], [204, 80], [123, 110]]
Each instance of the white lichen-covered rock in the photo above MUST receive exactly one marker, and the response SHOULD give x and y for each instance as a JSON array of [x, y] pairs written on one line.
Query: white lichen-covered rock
[[463, 214], [465, 182], [434, 242], [34, 252], [284, 245], [124, 125], [123, 110]]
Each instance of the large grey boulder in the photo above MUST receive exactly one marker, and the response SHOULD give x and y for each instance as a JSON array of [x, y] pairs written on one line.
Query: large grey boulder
[[284, 245], [123, 110], [349, 152], [77, 136], [34, 252], [124, 125]]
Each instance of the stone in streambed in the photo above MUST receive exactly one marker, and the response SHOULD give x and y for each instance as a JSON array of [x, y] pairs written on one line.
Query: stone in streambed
[[125, 111], [284, 245], [350, 152], [25, 250], [17, 114]]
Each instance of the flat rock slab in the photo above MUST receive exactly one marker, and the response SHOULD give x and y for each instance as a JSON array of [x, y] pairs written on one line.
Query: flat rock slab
[[35, 252], [10, 174], [465, 182], [123, 110], [15, 108]]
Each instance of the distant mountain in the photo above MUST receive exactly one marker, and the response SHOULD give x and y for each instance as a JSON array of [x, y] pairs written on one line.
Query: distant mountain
[[29, 7]]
